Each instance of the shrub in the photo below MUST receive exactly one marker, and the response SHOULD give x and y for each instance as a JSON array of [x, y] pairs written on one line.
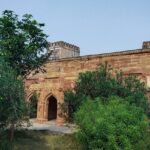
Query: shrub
[[143, 144], [115, 125], [104, 82], [73, 101]]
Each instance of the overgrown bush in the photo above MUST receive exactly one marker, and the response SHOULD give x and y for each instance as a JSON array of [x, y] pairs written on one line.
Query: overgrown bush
[[114, 125], [105, 82]]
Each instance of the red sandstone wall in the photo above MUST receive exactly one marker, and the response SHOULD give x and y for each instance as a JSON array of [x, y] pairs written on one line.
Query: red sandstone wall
[[61, 74]]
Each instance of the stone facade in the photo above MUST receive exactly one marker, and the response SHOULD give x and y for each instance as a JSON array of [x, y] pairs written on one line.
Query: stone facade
[[61, 75]]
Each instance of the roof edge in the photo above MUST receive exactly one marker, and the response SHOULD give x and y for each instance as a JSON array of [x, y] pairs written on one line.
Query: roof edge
[[127, 52]]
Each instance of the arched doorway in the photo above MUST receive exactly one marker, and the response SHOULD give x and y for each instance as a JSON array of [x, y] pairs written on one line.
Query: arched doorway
[[33, 106], [52, 108]]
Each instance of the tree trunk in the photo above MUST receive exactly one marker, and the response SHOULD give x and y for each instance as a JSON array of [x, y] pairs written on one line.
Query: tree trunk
[[12, 129]]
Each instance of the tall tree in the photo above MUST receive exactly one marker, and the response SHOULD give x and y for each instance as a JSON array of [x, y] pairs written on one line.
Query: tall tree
[[13, 107], [22, 43]]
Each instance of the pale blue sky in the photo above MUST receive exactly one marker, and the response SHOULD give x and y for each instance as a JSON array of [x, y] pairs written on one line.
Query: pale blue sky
[[96, 26]]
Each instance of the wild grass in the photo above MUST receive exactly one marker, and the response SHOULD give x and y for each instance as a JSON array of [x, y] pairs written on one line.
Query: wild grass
[[39, 140]]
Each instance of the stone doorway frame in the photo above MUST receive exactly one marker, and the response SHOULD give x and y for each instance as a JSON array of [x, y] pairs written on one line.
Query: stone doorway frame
[[50, 98]]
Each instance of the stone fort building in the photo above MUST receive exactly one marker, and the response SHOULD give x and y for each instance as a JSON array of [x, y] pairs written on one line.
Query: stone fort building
[[63, 68]]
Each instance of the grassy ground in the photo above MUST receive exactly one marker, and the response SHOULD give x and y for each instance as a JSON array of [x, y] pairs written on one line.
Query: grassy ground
[[30, 140], [36, 140]]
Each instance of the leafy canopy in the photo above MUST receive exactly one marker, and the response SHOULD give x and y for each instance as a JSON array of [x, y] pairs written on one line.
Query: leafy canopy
[[22, 42]]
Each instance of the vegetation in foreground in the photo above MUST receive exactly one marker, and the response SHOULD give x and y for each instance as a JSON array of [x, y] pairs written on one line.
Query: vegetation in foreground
[[39, 140], [110, 110], [13, 107], [22, 47], [29, 140], [115, 125]]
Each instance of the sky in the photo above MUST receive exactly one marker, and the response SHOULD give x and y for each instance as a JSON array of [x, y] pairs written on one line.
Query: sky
[[96, 26]]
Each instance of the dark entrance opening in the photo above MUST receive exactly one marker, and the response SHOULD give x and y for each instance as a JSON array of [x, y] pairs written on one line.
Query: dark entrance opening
[[52, 108], [33, 106]]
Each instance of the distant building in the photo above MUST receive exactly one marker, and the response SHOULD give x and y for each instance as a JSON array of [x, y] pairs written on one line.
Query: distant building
[[66, 64], [62, 49], [146, 45]]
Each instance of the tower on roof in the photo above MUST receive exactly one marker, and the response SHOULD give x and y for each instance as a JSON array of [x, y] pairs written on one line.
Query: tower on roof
[[146, 45], [62, 49]]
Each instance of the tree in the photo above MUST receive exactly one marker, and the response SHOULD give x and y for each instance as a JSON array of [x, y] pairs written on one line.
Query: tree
[[104, 82], [22, 43], [13, 107], [115, 125]]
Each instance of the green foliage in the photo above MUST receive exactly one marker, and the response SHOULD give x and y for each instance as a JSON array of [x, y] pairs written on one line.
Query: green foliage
[[22, 42], [143, 144], [73, 101], [39, 140], [13, 107], [96, 83], [5, 144], [115, 125], [104, 82], [33, 105]]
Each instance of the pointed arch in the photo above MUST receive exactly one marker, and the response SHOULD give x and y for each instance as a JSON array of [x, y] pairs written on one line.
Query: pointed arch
[[33, 103], [51, 102]]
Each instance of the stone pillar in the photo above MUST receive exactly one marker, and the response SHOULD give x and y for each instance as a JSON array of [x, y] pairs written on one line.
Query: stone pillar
[[41, 118], [60, 100]]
